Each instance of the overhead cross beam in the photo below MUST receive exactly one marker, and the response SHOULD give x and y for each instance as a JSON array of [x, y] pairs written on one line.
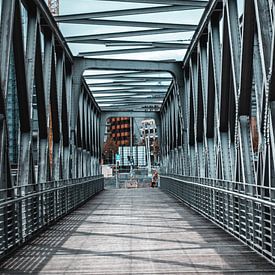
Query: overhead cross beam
[[127, 51], [131, 103], [194, 3], [125, 77], [87, 38], [152, 28], [130, 93], [64, 18], [133, 106], [125, 85], [146, 109], [131, 82], [123, 43], [130, 90], [136, 24], [145, 66], [102, 97]]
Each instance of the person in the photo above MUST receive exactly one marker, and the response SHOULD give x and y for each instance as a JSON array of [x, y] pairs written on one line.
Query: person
[[154, 182]]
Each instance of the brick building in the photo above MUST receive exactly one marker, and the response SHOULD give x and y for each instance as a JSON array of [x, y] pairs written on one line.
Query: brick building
[[119, 130]]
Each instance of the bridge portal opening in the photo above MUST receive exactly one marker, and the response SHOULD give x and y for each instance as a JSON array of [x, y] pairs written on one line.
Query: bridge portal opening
[[129, 95], [131, 147], [128, 90]]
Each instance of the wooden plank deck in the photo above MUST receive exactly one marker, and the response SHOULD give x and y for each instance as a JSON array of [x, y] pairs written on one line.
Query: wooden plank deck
[[135, 231]]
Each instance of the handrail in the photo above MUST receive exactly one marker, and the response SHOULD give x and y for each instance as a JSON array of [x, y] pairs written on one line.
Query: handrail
[[38, 193], [25, 214], [244, 215], [238, 194]]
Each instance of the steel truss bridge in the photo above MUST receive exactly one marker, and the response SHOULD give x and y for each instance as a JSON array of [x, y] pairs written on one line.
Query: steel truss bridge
[[215, 112]]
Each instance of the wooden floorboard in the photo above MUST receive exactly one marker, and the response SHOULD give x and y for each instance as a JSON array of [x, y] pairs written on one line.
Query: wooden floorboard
[[135, 231]]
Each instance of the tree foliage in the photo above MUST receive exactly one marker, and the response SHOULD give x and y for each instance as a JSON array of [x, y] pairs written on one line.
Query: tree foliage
[[156, 149], [110, 146]]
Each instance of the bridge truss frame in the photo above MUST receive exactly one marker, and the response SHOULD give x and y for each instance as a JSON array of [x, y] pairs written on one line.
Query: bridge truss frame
[[49, 144], [218, 115], [57, 166], [228, 119]]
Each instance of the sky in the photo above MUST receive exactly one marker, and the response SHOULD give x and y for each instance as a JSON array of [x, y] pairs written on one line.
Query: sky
[[84, 6]]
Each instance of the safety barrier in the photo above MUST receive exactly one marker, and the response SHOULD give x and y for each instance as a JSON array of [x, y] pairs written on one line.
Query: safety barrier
[[245, 211], [25, 210]]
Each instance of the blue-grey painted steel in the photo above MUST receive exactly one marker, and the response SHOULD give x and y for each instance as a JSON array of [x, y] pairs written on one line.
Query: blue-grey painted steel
[[22, 216], [230, 205], [226, 96], [39, 95], [228, 133], [217, 119]]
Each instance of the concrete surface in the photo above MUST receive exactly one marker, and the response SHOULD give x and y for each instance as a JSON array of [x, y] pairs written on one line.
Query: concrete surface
[[135, 231]]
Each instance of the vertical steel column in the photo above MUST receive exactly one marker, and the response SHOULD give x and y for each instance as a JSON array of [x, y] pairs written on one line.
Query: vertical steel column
[[43, 149], [59, 147], [186, 112], [6, 36]]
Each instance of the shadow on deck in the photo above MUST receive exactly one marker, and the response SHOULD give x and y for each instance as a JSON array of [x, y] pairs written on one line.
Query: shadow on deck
[[135, 231]]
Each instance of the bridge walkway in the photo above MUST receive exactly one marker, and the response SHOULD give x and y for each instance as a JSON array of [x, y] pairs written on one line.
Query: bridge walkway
[[135, 231]]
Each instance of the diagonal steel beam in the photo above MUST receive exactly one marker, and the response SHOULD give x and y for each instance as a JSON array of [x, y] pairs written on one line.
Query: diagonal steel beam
[[127, 78], [120, 82], [126, 85], [118, 105], [87, 38], [124, 43], [130, 103], [131, 99], [135, 109], [127, 74], [126, 51], [96, 96], [130, 96], [131, 86], [102, 14], [140, 91], [136, 24], [194, 3], [137, 106], [123, 83]]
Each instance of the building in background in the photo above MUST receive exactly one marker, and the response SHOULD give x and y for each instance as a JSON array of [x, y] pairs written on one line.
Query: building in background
[[149, 129], [149, 137], [135, 141], [118, 133], [119, 129]]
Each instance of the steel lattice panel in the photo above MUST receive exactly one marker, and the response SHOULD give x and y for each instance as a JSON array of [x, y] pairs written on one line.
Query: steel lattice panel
[[226, 109]]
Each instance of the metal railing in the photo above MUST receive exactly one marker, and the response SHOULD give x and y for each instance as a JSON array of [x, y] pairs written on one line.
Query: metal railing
[[245, 211], [25, 210]]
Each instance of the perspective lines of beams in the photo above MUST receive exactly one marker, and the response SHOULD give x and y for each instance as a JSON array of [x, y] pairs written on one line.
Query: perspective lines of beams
[[156, 30], [135, 90]]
